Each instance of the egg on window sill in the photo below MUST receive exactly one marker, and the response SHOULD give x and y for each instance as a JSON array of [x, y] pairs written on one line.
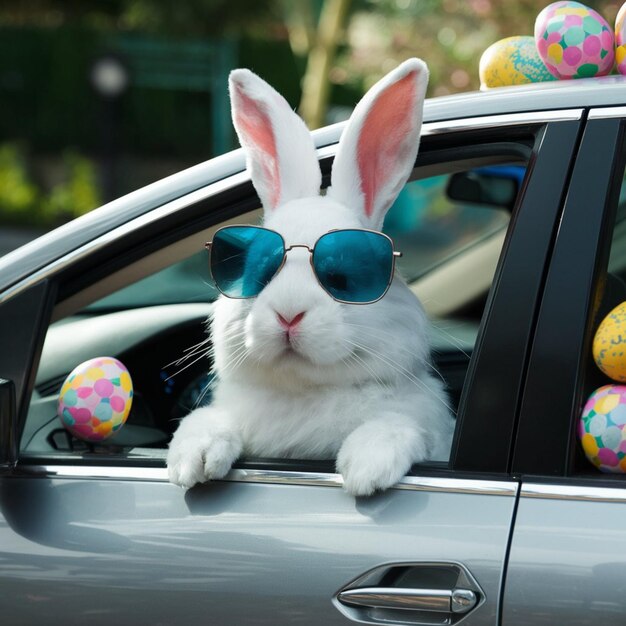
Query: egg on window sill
[[601, 429], [95, 399], [609, 344]]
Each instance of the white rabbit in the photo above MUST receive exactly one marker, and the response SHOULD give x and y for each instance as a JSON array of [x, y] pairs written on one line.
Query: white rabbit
[[338, 381]]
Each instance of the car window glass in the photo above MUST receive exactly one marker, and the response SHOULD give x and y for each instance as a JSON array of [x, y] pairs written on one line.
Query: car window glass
[[617, 259], [600, 429], [157, 325], [429, 226], [186, 281]]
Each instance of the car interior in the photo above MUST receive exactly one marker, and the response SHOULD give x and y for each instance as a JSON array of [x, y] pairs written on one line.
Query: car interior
[[450, 222], [612, 292]]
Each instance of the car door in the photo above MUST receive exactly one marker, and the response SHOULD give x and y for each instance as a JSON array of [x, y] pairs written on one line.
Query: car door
[[98, 533], [567, 559]]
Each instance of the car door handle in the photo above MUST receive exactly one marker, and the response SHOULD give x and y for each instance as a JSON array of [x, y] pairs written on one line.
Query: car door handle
[[456, 601], [411, 593]]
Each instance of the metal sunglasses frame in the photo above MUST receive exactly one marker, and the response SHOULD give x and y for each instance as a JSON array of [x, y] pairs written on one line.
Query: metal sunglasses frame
[[395, 254]]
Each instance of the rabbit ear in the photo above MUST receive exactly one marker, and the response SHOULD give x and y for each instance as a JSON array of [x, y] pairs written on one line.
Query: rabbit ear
[[280, 153], [378, 147]]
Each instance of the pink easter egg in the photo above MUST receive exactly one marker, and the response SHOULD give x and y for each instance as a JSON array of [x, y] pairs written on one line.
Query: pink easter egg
[[574, 41], [602, 429], [95, 399]]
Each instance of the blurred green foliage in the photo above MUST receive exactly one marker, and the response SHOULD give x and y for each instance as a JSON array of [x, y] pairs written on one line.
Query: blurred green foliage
[[76, 195], [50, 107], [23, 202], [450, 35], [49, 101], [18, 195]]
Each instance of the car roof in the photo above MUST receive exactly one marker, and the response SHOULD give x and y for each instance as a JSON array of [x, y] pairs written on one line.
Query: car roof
[[558, 94], [23, 262]]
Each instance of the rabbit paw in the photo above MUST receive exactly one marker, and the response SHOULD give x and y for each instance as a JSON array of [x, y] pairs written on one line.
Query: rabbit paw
[[371, 461], [364, 473], [196, 460]]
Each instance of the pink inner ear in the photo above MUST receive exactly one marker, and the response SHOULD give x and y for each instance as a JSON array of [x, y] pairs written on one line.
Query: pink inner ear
[[256, 126], [381, 140]]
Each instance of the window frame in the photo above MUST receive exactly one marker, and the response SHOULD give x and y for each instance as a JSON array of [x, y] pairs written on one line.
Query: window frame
[[560, 351], [235, 194], [495, 379]]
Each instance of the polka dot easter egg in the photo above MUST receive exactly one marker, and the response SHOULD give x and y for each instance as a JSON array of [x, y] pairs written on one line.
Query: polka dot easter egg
[[609, 344], [574, 41], [95, 399], [601, 428], [620, 40], [512, 61]]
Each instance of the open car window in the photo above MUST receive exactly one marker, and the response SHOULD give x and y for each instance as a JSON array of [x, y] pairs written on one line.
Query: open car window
[[432, 220], [600, 428], [448, 216]]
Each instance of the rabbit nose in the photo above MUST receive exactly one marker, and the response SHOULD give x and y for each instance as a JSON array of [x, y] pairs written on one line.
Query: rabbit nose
[[290, 325]]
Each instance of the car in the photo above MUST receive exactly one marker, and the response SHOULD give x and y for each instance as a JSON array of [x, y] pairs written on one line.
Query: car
[[513, 233]]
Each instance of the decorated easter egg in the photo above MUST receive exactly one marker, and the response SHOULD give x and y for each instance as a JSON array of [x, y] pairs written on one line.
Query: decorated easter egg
[[512, 61], [620, 40], [574, 41], [95, 399], [601, 428], [609, 344]]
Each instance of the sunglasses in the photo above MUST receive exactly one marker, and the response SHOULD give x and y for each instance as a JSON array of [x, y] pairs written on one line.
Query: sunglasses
[[353, 266]]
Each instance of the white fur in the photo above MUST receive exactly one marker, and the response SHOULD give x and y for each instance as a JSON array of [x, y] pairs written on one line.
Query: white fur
[[346, 179], [354, 383], [298, 170]]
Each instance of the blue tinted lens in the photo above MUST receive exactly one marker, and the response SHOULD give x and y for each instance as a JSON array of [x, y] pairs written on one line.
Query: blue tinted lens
[[244, 259], [354, 265]]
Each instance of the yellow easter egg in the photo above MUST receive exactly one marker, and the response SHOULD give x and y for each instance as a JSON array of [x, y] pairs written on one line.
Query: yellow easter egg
[[512, 61], [609, 344], [620, 40]]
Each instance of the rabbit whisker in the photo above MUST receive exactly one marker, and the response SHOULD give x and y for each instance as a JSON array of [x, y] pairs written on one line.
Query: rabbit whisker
[[237, 358], [354, 366], [236, 352], [186, 366], [192, 351], [453, 341], [233, 331], [238, 363], [202, 395], [202, 350], [381, 332], [401, 370], [200, 343], [378, 333], [184, 358], [366, 366], [235, 342]]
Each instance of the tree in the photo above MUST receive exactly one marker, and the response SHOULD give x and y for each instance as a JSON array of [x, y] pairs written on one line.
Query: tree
[[318, 42]]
